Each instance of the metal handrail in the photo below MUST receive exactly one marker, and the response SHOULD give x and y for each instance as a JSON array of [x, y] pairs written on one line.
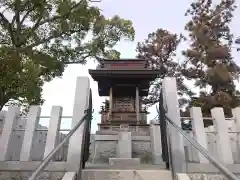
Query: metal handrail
[[46, 161], [204, 152]]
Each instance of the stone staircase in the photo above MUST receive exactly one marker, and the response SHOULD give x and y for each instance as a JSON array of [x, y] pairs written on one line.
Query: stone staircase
[[100, 172]]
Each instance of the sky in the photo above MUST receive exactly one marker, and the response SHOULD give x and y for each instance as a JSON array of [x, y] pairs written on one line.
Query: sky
[[147, 16]]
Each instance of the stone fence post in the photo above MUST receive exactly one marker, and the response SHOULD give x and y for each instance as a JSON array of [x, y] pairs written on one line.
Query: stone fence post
[[170, 100], [156, 147], [223, 140], [199, 131]]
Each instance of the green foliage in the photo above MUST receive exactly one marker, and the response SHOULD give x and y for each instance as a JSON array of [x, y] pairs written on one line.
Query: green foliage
[[105, 106], [38, 38], [208, 59]]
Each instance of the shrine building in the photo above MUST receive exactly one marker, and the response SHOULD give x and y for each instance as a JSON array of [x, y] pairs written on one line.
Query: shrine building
[[125, 82]]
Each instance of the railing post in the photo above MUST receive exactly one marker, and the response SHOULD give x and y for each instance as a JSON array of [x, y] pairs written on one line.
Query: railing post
[[8, 126], [80, 105], [199, 131], [54, 126], [223, 140], [171, 105], [31, 125]]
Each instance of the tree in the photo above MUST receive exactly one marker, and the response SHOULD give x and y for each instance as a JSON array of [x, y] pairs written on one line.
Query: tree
[[159, 51], [105, 106], [208, 60], [39, 37]]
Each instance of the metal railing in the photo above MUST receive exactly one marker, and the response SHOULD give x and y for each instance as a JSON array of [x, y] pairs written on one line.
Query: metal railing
[[204, 152], [46, 161]]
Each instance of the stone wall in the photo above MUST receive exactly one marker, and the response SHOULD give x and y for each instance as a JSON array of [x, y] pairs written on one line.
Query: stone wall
[[141, 148], [104, 147], [102, 151]]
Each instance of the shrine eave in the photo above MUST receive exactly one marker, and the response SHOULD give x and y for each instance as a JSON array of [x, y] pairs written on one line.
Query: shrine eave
[[139, 74]]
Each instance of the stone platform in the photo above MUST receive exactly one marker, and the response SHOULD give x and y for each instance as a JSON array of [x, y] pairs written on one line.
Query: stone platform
[[145, 146], [124, 161]]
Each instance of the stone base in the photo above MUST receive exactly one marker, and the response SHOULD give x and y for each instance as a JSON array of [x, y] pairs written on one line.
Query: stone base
[[110, 132], [124, 161], [157, 160]]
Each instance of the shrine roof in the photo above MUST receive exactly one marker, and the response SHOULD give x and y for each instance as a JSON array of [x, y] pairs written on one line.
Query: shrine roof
[[133, 68], [122, 64], [123, 72]]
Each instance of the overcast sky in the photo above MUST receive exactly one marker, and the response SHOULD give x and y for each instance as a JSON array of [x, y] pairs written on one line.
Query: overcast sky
[[147, 16]]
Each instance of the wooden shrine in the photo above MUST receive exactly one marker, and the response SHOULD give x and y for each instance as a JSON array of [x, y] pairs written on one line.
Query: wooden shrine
[[126, 82]]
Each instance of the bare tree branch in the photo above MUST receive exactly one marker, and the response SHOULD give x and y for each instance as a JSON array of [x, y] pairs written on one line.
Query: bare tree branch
[[4, 22], [54, 18]]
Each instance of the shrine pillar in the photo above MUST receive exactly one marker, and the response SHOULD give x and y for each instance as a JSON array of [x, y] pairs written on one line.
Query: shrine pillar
[[110, 103], [137, 106]]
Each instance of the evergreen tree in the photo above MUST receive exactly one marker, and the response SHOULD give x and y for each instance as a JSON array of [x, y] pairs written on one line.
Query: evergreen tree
[[208, 60], [159, 51]]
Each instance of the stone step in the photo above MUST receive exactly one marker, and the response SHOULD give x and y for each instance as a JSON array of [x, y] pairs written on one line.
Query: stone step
[[124, 161], [127, 166], [131, 174]]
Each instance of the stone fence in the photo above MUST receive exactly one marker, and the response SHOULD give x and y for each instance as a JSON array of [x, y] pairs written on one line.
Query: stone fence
[[22, 139], [24, 143], [39, 136], [221, 140], [101, 148]]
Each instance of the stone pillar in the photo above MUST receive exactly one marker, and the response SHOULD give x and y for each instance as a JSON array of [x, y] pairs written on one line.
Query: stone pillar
[[236, 115], [53, 133], [199, 131], [175, 140], [30, 129], [124, 151], [137, 107], [7, 131], [156, 145], [223, 140], [124, 148], [81, 100]]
